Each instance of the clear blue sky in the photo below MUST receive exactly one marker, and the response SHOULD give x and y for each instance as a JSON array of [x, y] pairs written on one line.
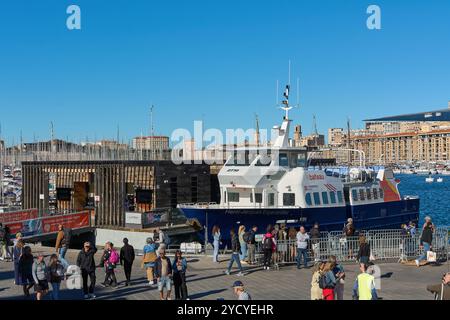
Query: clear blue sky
[[216, 60]]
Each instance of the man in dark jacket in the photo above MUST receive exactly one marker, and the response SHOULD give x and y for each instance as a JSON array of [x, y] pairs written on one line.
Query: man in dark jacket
[[442, 290], [236, 250], [126, 259], [85, 261], [251, 245], [426, 239], [163, 272]]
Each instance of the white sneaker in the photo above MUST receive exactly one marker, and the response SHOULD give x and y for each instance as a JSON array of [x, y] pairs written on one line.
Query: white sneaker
[[417, 263], [227, 272], [268, 268], [92, 296], [240, 274]]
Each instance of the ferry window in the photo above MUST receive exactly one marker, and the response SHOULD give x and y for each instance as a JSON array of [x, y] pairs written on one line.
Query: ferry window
[[332, 197], [362, 196], [283, 160], [339, 194], [251, 197], [258, 197], [301, 159], [375, 193], [233, 196], [308, 199], [369, 195], [264, 160], [381, 194], [316, 198], [325, 197], [242, 158], [225, 197], [271, 199], [354, 195], [288, 199]]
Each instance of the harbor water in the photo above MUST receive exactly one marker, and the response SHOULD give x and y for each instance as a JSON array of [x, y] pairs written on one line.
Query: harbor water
[[433, 196]]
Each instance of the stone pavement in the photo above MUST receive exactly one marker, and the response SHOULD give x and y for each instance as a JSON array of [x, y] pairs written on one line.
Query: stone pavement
[[207, 281]]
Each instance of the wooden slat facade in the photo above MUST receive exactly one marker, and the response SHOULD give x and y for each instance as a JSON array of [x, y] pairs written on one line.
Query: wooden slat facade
[[112, 181]]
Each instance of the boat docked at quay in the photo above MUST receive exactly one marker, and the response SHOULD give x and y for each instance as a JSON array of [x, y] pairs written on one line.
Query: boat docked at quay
[[276, 185]]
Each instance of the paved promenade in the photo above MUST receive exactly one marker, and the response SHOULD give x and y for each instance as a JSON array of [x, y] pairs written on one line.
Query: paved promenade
[[207, 281]]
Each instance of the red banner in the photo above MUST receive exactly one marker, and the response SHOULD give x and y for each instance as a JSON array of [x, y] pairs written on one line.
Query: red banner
[[50, 224], [18, 215]]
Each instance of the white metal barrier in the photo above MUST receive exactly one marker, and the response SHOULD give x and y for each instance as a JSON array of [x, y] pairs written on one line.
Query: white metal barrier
[[384, 245]]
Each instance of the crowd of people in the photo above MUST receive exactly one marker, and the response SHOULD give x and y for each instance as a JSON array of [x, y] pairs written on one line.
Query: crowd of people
[[168, 275]]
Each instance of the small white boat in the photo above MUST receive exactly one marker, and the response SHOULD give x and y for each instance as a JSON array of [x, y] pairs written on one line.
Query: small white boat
[[429, 179], [439, 179]]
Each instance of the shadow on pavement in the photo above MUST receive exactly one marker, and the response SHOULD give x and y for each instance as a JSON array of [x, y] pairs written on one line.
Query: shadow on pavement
[[205, 294]]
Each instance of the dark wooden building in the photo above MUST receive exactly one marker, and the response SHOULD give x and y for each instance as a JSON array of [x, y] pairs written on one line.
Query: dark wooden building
[[113, 188]]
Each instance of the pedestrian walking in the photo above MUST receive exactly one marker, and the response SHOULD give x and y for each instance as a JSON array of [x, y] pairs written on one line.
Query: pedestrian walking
[[314, 234], [268, 245], [275, 230], [240, 292], [236, 250], [56, 271], [316, 291], [149, 259], [40, 274], [292, 236], [364, 287], [426, 240], [216, 243], [339, 274], [327, 282], [163, 272], [86, 263], [63, 239], [348, 233], [364, 250], [111, 259], [4, 243], [302, 247], [127, 257], [242, 243], [26, 270], [16, 254], [179, 267], [251, 245], [282, 247]]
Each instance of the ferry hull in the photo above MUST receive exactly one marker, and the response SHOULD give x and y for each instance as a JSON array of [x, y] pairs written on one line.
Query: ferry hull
[[386, 215]]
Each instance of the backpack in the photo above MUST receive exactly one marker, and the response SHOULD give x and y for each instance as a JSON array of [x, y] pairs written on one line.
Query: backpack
[[114, 257], [246, 237], [323, 281], [268, 243]]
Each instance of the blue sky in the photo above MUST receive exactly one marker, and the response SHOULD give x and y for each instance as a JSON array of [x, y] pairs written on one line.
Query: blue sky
[[216, 60]]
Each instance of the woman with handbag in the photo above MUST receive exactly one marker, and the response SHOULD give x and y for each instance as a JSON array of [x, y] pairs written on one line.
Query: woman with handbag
[[148, 262], [217, 237]]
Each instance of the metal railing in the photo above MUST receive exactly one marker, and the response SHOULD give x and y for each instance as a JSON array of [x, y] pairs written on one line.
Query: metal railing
[[384, 245]]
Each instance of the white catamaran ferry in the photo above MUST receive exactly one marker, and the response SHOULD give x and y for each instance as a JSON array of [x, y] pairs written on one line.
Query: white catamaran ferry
[[268, 185]]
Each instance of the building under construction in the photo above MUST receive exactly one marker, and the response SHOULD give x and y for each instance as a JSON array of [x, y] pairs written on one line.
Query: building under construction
[[111, 189]]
